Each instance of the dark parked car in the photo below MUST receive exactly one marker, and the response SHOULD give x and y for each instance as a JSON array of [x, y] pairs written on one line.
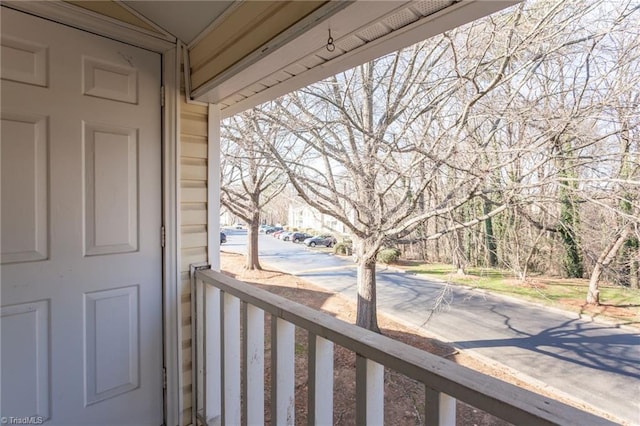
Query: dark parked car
[[298, 237], [321, 240], [272, 229], [223, 237]]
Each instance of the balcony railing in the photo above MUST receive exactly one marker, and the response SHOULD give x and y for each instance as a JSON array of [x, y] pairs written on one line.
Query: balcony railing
[[229, 315]]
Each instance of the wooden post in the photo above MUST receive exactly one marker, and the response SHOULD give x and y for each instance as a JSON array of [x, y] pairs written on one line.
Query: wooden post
[[231, 360], [320, 379], [282, 372], [211, 389], [369, 392], [253, 373], [440, 408]]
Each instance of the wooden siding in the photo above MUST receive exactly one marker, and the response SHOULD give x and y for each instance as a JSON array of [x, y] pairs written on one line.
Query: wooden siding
[[193, 224]]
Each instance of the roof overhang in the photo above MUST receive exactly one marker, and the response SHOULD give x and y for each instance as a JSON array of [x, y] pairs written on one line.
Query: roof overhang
[[297, 55], [243, 53]]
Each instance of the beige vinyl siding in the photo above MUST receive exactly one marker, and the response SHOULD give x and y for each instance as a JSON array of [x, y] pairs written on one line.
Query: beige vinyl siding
[[193, 224]]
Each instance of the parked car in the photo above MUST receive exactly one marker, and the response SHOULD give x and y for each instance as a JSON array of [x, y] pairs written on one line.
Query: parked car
[[272, 229], [321, 240], [276, 234], [298, 237], [223, 238], [286, 236]]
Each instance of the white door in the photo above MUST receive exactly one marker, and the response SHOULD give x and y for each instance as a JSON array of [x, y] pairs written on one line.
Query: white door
[[81, 283]]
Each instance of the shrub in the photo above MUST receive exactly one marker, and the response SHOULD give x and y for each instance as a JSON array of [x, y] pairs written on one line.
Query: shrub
[[343, 249], [388, 255]]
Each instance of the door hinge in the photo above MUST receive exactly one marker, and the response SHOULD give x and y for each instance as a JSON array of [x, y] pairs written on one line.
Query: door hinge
[[164, 377], [163, 236], [162, 96]]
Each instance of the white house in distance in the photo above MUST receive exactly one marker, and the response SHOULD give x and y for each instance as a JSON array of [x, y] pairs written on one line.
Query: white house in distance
[[227, 218], [302, 216]]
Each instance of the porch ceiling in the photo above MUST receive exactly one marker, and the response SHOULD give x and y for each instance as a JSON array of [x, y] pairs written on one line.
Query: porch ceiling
[[295, 55], [242, 53]]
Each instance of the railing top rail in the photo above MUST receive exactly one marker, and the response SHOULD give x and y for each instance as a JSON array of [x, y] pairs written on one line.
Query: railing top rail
[[511, 403]]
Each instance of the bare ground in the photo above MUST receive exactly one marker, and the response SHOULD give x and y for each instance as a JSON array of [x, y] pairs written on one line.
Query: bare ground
[[404, 397]]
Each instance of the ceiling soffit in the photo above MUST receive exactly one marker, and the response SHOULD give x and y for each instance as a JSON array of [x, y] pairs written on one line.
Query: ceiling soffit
[[250, 31], [115, 11], [362, 31], [185, 19], [112, 19]]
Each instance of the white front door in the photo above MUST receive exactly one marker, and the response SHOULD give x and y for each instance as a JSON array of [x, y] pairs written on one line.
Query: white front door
[[81, 274]]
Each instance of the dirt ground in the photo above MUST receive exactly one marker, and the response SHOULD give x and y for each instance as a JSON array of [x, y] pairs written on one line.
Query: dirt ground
[[404, 397]]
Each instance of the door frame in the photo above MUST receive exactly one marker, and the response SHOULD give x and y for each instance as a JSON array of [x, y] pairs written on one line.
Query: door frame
[[168, 47]]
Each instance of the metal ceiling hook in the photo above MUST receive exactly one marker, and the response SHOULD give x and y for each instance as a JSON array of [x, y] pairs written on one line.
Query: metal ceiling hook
[[330, 46]]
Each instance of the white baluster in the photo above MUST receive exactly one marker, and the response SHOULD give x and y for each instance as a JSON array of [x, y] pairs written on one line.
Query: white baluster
[[282, 372], [253, 364]]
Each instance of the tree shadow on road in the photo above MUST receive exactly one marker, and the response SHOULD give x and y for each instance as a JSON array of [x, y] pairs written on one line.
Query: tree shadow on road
[[586, 344]]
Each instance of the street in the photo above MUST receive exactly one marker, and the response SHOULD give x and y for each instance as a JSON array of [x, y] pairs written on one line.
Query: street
[[591, 361]]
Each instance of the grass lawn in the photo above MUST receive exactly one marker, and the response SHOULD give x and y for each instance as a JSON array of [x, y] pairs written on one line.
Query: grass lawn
[[620, 304]]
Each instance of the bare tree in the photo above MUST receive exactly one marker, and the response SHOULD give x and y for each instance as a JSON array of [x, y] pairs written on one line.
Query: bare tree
[[509, 113], [377, 138], [249, 181], [581, 101]]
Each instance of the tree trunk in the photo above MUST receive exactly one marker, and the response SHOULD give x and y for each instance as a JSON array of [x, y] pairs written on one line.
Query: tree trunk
[[490, 239], [572, 261], [607, 255], [366, 307], [634, 271], [457, 252], [631, 250], [252, 259], [630, 259], [532, 250], [569, 210]]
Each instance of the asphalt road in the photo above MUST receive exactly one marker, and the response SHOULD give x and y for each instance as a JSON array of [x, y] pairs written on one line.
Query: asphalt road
[[591, 361]]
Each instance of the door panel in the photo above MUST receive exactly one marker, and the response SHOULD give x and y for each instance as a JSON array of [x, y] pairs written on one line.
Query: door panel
[[25, 336], [81, 266], [24, 188], [24, 61], [112, 358], [111, 189]]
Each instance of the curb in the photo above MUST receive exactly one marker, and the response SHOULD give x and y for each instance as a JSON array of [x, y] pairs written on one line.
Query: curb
[[513, 299]]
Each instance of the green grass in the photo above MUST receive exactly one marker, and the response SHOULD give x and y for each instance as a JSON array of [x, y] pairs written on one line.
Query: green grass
[[300, 349], [620, 303]]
